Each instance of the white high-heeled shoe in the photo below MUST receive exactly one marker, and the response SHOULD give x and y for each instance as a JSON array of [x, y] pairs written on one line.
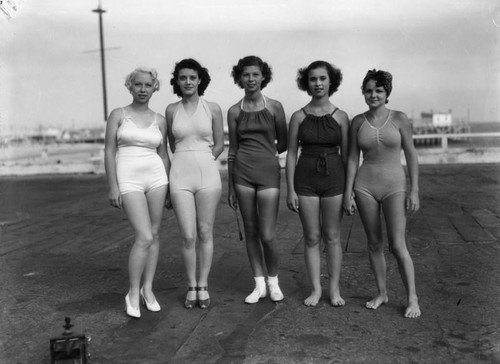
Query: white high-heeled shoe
[[151, 306], [131, 311]]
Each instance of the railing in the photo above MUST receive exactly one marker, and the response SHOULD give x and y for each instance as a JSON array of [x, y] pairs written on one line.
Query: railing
[[444, 137]]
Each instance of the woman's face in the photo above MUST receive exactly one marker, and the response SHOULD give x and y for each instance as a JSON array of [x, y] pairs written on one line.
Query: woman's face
[[318, 82], [251, 78], [188, 81], [375, 96], [142, 87]]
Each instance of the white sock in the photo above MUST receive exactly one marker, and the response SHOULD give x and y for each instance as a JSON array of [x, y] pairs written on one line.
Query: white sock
[[260, 282], [272, 280]]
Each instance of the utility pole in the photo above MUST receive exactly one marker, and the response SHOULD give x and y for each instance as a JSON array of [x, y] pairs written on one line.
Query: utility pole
[[100, 11]]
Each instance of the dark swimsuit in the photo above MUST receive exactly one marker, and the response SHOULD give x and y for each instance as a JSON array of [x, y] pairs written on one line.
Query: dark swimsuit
[[257, 162], [319, 171]]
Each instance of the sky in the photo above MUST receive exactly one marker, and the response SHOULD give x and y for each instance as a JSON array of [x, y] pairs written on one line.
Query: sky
[[443, 54]]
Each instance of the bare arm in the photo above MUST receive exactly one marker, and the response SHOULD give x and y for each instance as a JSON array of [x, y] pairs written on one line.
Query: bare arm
[[169, 115], [343, 121], [281, 130], [352, 165], [291, 159], [217, 129], [110, 148], [232, 114], [162, 148], [412, 201]]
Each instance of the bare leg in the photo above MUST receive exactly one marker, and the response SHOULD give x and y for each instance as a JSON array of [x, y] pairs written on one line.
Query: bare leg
[[206, 206], [185, 211], [267, 210], [310, 218], [395, 216], [369, 210], [156, 207], [247, 201], [331, 218], [136, 208]]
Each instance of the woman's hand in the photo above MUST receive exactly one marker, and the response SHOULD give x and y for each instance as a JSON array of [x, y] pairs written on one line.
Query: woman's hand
[[412, 203], [232, 200], [115, 199], [292, 201], [350, 206]]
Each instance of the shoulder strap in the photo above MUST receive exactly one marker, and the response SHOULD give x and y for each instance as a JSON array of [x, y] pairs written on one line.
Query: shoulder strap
[[304, 111], [333, 112]]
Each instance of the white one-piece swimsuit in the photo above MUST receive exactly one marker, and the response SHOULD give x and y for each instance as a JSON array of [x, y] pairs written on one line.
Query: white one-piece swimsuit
[[139, 168]]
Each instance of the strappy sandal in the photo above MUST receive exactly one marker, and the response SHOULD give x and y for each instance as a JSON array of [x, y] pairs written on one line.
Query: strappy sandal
[[204, 303], [191, 303]]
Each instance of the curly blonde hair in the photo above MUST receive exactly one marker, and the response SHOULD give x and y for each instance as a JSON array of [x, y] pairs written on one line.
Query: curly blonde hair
[[150, 71]]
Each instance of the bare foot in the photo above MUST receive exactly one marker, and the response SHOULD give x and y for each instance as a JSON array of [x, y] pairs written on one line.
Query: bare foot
[[335, 299], [377, 301], [413, 309], [313, 299]]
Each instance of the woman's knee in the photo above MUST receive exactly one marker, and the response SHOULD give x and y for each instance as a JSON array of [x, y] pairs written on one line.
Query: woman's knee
[[312, 239], [331, 237], [189, 241], [144, 240], [376, 246], [205, 233], [268, 239], [400, 250]]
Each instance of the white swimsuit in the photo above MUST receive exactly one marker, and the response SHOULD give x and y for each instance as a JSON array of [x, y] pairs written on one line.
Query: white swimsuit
[[193, 165], [139, 168]]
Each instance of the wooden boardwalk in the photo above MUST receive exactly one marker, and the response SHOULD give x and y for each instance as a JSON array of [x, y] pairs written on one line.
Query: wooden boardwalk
[[64, 250]]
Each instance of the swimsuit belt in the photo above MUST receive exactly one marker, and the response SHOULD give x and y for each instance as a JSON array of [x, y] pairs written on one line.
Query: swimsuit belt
[[321, 155]]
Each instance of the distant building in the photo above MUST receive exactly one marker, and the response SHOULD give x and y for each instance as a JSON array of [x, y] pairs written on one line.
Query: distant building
[[437, 119]]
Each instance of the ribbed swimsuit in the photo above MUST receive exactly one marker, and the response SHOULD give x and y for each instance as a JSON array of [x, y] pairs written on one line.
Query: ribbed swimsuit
[[381, 174], [139, 168], [319, 171], [193, 165], [257, 162]]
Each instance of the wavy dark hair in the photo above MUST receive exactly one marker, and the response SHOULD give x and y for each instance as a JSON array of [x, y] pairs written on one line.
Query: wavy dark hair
[[334, 74], [381, 78], [194, 65], [247, 61]]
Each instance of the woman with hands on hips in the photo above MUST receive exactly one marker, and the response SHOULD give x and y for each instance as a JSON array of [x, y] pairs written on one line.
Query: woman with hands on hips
[[196, 139], [257, 134], [316, 182], [379, 185], [137, 166]]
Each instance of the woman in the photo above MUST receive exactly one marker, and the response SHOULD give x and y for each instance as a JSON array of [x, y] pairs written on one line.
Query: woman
[[316, 182], [379, 186], [196, 139], [137, 165], [257, 134]]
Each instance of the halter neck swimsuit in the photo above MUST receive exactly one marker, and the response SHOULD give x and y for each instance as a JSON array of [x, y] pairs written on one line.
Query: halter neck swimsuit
[[193, 166], [256, 163], [319, 171]]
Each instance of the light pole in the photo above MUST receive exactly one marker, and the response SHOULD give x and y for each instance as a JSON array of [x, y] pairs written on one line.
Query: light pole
[[100, 11]]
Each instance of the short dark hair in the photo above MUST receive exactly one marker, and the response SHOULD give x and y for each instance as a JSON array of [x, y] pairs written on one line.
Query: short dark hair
[[334, 74], [194, 65], [252, 61], [381, 78]]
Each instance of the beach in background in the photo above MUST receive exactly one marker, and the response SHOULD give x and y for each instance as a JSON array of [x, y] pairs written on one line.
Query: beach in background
[[72, 157]]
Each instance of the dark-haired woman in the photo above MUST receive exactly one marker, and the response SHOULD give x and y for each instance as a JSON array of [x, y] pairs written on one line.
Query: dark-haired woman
[[257, 134], [316, 182], [379, 185], [196, 139]]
